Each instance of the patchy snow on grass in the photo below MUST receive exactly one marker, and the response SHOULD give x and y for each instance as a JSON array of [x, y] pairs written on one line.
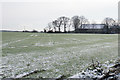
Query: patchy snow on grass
[[33, 35], [51, 43], [11, 47], [46, 44], [27, 62], [104, 71], [20, 63], [6, 44], [24, 46], [66, 54]]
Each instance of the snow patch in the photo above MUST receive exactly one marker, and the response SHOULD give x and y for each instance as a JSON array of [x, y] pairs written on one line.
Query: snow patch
[[33, 35]]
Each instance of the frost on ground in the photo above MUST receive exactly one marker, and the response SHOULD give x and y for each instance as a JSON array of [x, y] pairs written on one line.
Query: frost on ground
[[27, 63], [54, 55], [110, 70], [34, 35], [6, 44], [20, 65]]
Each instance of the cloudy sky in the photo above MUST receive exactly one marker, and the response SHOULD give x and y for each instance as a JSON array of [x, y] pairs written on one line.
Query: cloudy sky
[[36, 14]]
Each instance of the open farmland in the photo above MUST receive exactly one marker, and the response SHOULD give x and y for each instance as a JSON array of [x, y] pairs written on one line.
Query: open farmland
[[54, 54]]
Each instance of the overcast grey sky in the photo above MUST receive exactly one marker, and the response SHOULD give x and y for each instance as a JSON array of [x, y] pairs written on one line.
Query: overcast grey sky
[[37, 14]]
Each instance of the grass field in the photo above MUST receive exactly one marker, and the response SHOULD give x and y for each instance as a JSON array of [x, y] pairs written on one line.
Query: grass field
[[54, 54]]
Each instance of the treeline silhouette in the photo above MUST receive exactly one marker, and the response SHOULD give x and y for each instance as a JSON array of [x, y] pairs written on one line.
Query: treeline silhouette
[[79, 23]]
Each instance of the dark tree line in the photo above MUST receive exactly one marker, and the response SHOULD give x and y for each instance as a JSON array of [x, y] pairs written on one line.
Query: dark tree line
[[76, 22], [110, 23]]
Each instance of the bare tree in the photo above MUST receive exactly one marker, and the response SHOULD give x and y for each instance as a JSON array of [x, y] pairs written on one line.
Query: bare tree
[[63, 21], [59, 23], [55, 24], [83, 20], [78, 21], [69, 24], [50, 26], [75, 22], [45, 30], [117, 23], [108, 23]]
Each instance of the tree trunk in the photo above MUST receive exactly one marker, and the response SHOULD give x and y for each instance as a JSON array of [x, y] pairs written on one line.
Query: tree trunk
[[59, 28], [60, 25], [64, 28]]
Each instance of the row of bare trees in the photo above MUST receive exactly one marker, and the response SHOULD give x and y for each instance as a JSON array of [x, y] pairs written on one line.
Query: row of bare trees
[[75, 22], [110, 23]]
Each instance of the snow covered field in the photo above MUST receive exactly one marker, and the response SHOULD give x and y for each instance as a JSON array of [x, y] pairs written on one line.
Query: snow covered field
[[53, 55]]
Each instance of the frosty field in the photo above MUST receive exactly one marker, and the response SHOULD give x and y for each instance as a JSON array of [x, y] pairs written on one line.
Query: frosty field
[[54, 55]]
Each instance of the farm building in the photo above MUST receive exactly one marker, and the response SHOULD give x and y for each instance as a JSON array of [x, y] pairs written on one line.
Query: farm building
[[96, 28]]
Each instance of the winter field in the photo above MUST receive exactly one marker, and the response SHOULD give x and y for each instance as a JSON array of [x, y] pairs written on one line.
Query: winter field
[[53, 55]]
